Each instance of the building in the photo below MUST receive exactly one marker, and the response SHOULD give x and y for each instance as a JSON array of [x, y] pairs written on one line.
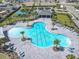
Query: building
[[45, 14], [8, 1], [36, 0], [69, 1], [3, 5]]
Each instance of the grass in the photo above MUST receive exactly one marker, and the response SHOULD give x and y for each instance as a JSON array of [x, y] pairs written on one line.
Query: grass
[[3, 40], [64, 19], [0, 0], [14, 18]]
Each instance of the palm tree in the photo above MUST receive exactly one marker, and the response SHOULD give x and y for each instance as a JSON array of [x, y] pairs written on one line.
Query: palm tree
[[54, 14], [56, 43], [70, 56], [22, 32], [23, 38]]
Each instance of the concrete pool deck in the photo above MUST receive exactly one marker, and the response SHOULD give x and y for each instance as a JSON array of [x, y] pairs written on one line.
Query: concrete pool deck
[[33, 52]]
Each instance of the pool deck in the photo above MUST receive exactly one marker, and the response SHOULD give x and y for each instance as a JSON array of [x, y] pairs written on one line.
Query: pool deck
[[34, 52]]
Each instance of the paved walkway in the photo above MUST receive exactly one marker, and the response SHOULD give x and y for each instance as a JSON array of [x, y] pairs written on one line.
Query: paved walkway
[[34, 52]]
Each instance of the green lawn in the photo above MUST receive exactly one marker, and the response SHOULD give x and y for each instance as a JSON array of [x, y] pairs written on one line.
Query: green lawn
[[64, 19], [14, 18], [0, 0], [3, 40]]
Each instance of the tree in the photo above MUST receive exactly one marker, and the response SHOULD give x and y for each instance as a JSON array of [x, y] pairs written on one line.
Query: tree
[[70, 56], [22, 32], [23, 38], [56, 43], [24, 8], [54, 14]]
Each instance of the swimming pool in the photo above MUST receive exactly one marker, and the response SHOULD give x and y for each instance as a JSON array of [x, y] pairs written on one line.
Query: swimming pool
[[40, 36]]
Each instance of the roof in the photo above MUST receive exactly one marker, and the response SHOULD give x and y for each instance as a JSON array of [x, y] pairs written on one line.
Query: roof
[[44, 12], [3, 11]]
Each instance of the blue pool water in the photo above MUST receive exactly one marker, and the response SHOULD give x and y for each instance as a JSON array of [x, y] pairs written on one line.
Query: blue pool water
[[40, 36]]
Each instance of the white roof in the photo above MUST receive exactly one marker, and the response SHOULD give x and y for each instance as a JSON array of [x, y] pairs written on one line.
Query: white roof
[[44, 12], [1, 33]]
